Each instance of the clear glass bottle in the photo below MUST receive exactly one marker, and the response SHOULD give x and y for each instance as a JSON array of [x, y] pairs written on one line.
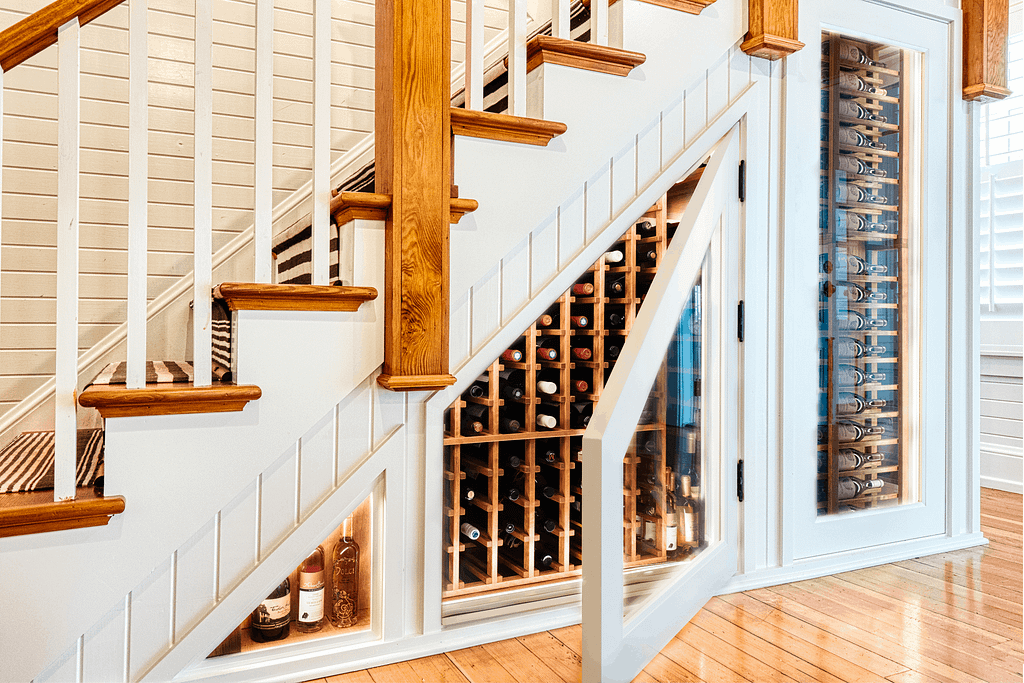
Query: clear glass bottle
[[343, 610], [311, 593]]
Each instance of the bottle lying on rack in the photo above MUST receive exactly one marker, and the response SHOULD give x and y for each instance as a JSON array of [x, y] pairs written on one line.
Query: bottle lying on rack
[[849, 136], [479, 388], [582, 353], [546, 387], [472, 419], [849, 487], [513, 355], [509, 425], [544, 489], [614, 256], [542, 522], [647, 255], [852, 431], [645, 228], [543, 558], [849, 376], [583, 289], [846, 193], [852, 53], [547, 455], [850, 459], [469, 531], [847, 220], [509, 461], [849, 81], [855, 265], [852, 320], [858, 293], [848, 403], [509, 492], [616, 319], [580, 321], [615, 287], [612, 350], [851, 164], [854, 110], [547, 348], [579, 414], [513, 384], [546, 420], [848, 347], [470, 486]]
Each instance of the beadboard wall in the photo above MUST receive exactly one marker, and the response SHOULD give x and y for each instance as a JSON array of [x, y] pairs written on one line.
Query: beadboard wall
[[29, 181], [1002, 459]]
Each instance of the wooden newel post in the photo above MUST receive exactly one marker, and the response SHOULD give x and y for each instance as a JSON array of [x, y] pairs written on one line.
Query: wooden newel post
[[413, 165], [773, 29], [986, 29]]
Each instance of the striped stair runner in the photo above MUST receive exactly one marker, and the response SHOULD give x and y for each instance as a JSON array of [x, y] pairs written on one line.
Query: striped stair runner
[[26, 464]]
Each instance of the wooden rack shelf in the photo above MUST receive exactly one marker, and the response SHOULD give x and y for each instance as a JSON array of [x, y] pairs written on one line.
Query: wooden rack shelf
[[548, 473], [840, 431]]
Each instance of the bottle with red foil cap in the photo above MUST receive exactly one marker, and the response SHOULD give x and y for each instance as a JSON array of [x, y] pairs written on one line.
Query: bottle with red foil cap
[[580, 386], [311, 593], [580, 321], [581, 352], [547, 348], [513, 355], [583, 289]]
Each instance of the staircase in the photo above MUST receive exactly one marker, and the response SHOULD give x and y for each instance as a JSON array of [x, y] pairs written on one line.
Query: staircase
[[220, 504]]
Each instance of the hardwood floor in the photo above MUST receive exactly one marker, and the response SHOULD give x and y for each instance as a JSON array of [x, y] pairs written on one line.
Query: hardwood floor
[[952, 618]]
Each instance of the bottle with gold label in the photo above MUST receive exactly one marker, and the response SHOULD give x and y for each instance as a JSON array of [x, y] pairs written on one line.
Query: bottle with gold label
[[311, 593], [343, 610]]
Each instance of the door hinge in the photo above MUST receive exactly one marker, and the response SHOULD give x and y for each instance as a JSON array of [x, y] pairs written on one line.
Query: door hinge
[[739, 320], [739, 480], [743, 180]]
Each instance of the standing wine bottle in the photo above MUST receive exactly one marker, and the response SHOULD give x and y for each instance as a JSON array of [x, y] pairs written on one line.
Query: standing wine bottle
[[270, 621], [671, 523], [850, 487], [311, 592], [343, 610]]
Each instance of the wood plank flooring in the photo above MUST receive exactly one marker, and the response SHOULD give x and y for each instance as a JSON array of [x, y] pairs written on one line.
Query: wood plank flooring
[[951, 618]]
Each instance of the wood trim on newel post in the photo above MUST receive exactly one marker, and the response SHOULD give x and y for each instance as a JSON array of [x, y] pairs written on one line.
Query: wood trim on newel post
[[986, 30], [772, 29], [413, 165]]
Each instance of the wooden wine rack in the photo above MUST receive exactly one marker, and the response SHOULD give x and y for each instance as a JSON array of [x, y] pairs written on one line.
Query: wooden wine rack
[[874, 248], [489, 563]]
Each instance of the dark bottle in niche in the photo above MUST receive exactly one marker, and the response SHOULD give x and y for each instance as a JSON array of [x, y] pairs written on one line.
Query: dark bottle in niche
[[579, 414], [470, 487], [548, 456], [645, 228], [270, 621], [311, 593], [542, 522], [343, 610], [479, 388], [616, 319], [647, 255], [473, 419], [513, 384], [544, 489], [509, 425], [510, 492], [509, 461], [615, 287]]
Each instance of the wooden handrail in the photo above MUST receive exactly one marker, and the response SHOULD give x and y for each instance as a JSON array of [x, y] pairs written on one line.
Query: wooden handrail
[[38, 31], [72, 514]]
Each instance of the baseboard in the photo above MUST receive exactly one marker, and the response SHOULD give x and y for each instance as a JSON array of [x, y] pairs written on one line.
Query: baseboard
[[1002, 484], [1002, 468]]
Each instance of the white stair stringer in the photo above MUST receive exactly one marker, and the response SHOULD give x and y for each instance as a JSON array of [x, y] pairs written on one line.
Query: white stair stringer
[[176, 471]]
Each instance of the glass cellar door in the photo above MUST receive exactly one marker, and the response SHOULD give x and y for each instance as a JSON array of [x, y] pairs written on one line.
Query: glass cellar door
[[662, 443]]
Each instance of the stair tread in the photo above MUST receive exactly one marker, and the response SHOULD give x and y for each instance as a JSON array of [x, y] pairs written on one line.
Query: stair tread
[[253, 296], [601, 58], [36, 512], [168, 399], [495, 126]]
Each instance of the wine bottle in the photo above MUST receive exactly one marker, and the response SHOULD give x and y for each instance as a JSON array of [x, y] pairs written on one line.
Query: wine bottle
[[850, 459], [855, 265], [544, 489], [469, 531], [547, 455], [546, 320], [847, 220], [647, 255], [547, 348], [612, 351], [850, 487], [671, 523], [852, 53], [512, 355], [852, 431], [849, 81], [581, 352], [854, 110], [509, 425], [614, 256], [542, 522], [848, 347], [579, 414], [545, 387], [583, 289], [846, 193], [580, 386], [469, 486], [649, 444], [616, 287], [690, 529], [851, 164], [270, 621], [311, 593], [848, 403], [546, 421], [852, 320], [509, 492], [509, 461], [472, 419], [543, 559], [645, 228], [480, 387], [849, 136], [854, 292], [848, 375], [513, 384], [616, 319], [580, 321], [343, 610]]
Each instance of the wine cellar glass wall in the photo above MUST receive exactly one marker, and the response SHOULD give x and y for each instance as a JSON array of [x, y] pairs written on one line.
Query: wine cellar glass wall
[[513, 440], [862, 430]]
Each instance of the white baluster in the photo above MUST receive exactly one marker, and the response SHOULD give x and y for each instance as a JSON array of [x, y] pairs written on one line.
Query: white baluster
[[138, 183], [599, 22], [560, 18], [321, 229], [517, 57], [66, 380], [203, 203], [475, 55], [264, 140]]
